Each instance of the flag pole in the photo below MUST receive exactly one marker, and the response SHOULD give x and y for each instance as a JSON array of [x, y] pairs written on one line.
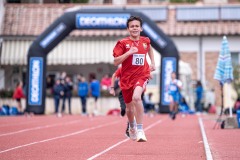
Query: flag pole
[[221, 84]]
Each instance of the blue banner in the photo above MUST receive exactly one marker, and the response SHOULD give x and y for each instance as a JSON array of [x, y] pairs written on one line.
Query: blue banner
[[153, 35], [169, 64], [53, 35], [35, 81], [111, 21]]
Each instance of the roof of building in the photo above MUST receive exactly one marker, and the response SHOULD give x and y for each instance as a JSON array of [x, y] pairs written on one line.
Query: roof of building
[[33, 19]]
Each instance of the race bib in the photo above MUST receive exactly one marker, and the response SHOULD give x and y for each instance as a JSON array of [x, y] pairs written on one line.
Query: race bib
[[138, 59], [173, 88]]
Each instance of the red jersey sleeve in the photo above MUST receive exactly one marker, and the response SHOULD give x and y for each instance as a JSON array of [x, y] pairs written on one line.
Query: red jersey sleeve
[[118, 49]]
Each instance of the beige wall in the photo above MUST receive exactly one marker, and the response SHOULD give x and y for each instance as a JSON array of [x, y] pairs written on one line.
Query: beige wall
[[211, 59], [191, 58]]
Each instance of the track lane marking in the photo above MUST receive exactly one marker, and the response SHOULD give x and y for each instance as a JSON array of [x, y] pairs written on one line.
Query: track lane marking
[[205, 141], [39, 127], [59, 137], [17, 124], [123, 141]]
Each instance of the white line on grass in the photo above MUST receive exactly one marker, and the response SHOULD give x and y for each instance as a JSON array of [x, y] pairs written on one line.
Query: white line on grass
[[117, 144], [37, 128], [205, 141], [59, 137]]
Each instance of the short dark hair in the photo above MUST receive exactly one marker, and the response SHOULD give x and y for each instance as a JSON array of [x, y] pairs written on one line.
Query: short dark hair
[[132, 18]]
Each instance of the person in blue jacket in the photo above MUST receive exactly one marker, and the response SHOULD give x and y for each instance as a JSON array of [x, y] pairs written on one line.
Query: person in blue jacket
[[94, 91], [199, 96], [58, 93], [83, 93]]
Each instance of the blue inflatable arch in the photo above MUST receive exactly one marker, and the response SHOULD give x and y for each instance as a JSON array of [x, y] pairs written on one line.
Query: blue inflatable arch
[[92, 19]]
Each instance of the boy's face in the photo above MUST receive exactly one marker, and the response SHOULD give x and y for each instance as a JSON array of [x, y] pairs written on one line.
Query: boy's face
[[173, 75], [134, 28]]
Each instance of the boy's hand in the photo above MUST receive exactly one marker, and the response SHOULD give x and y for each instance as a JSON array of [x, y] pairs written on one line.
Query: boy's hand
[[133, 49], [152, 67], [112, 92]]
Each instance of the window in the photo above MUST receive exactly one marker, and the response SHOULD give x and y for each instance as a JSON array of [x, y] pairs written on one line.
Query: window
[[197, 13], [235, 58]]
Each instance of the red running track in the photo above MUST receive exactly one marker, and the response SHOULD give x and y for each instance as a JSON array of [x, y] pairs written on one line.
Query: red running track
[[78, 137]]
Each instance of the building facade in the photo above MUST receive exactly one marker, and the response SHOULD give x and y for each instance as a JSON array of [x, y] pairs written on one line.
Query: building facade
[[197, 36]]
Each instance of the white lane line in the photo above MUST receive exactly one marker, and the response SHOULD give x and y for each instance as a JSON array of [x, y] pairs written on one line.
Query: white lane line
[[205, 141], [37, 128], [117, 144], [17, 124], [59, 137]]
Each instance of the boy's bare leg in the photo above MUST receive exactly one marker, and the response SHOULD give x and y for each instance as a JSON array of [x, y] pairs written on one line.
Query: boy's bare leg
[[138, 104], [139, 113], [130, 110]]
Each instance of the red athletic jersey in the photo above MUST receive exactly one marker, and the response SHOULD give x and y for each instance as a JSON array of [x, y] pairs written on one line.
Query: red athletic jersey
[[118, 72], [135, 66]]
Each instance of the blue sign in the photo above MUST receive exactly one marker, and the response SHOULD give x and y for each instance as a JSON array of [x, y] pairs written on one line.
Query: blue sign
[[153, 35], [53, 35], [35, 81], [111, 21], [169, 64]]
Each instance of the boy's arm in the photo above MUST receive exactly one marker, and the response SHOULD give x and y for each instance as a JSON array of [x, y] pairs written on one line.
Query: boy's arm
[[112, 91], [151, 56], [118, 60], [179, 84]]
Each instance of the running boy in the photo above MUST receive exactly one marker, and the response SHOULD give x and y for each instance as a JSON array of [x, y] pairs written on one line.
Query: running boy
[[174, 93], [117, 75], [131, 53]]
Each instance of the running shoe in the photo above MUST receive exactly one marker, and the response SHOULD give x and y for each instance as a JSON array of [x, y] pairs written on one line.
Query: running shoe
[[174, 116], [59, 115], [123, 112], [127, 131], [133, 133], [141, 136]]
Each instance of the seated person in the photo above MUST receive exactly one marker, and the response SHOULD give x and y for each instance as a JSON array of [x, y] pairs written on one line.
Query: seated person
[[183, 106]]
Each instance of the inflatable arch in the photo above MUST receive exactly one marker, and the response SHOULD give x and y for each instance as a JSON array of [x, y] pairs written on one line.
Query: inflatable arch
[[92, 19]]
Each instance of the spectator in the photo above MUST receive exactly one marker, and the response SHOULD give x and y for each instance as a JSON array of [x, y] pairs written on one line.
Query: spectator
[[68, 92], [199, 96], [211, 108], [18, 95], [83, 93], [94, 91], [58, 93], [237, 105], [63, 97], [106, 82]]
